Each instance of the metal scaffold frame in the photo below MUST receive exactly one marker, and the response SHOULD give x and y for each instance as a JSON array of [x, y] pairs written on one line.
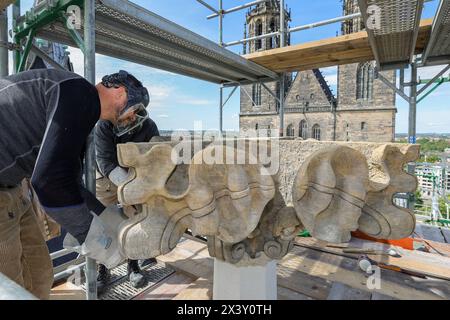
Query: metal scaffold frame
[[220, 14]]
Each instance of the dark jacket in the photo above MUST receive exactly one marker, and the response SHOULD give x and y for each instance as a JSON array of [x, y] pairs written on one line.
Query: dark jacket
[[46, 116], [106, 143]]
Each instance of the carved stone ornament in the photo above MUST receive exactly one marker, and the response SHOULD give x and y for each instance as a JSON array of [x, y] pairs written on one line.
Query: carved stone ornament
[[219, 200], [250, 213]]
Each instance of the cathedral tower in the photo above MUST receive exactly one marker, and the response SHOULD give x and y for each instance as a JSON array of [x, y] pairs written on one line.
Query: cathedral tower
[[262, 19]]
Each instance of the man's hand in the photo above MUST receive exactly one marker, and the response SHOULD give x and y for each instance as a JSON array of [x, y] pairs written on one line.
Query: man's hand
[[102, 241]]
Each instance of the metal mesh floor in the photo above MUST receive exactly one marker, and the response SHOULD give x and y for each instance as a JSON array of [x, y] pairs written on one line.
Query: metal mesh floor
[[394, 32], [119, 287], [438, 49]]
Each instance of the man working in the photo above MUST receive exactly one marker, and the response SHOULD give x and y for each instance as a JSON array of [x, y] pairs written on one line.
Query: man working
[[110, 175], [46, 117]]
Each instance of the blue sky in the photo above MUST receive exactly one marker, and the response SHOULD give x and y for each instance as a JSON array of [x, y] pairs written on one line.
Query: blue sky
[[177, 101]]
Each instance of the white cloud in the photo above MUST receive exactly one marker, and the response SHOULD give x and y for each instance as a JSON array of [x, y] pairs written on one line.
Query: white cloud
[[162, 116], [196, 102], [330, 75], [431, 72]]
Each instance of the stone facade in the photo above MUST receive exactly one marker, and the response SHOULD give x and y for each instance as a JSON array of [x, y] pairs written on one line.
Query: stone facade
[[364, 109]]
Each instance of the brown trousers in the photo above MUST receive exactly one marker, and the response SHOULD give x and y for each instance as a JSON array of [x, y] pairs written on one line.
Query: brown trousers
[[24, 256]]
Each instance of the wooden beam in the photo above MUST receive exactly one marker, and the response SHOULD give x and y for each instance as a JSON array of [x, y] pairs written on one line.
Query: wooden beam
[[5, 3], [351, 48]]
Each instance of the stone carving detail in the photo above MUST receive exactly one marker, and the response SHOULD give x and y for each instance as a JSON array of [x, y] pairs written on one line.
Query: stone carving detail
[[273, 237], [339, 190], [329, 192], [247, 214], [220, 200], [381, 218]]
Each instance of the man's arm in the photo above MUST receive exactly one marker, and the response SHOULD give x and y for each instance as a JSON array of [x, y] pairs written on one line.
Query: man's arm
[[106, 153], [105, 148], [56, 177]]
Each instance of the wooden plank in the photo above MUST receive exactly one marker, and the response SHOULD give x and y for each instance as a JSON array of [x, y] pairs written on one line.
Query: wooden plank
[[431, 265], [340, 291], [168, 289], [312, 273], [187, 264], [287, 294], [201, 289], [335, 268], [303, 283], [5, 3], [352, 48], [67, 291], [379, 296]]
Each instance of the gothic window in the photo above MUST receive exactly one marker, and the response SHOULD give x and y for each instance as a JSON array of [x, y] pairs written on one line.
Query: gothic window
[[290, 131], [272, 40], [256, 94], [316, 132], [278, 90], [258, 32], [303, 130], [256, 126], [363, 126], [364, 81], [297, 97], [347, 132], [311, 96]]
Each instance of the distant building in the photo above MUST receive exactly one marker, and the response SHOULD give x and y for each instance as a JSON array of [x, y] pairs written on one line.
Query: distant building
[[433, 178], [364, 109]]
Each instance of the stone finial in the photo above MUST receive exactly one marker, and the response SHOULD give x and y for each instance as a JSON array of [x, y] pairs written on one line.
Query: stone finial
[[250, 213], [329, 192], [381, 218], [224, 201]]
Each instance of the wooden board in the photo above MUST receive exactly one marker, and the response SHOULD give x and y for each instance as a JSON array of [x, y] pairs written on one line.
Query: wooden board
[[287, 294], [352, 48], [340, 291], [5, 3], [67, 291], [310, 273], [201, 289], [303, 283], [168, 289], [345, 270], [424, 263]]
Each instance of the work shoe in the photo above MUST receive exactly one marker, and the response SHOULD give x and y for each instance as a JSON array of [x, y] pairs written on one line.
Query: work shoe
[[135, 276], [103, 277]]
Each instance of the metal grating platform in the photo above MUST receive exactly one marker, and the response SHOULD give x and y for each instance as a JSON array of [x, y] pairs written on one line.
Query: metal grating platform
[[127, 31], [438, 48], [393, 37], [119, 287]]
